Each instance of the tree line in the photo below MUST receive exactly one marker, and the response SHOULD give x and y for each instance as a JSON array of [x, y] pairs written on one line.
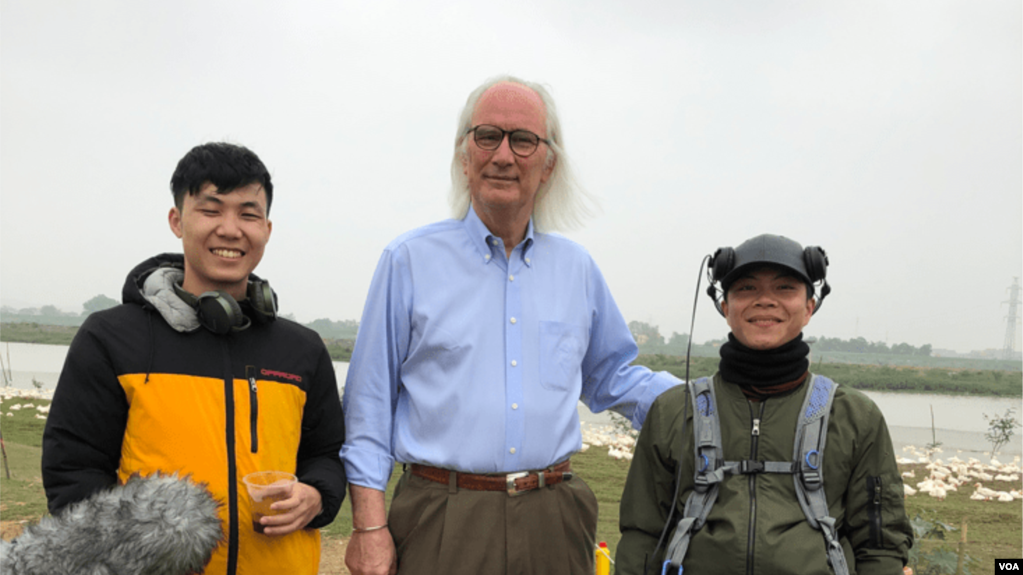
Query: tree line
[[861, 345], [50, 315], [647, 335]]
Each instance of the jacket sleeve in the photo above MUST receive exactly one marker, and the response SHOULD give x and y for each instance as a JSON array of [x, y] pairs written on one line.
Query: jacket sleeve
[[876, 523], [323, 433], [650, 488], [85, 428]]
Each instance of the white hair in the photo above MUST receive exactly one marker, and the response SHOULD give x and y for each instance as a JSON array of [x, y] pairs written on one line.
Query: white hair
[[561, 202]]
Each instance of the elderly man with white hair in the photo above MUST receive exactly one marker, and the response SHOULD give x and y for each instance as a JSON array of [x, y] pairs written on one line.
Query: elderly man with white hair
[[479, 337]]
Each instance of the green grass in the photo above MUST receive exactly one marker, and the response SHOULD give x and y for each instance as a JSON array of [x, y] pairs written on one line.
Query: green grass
[[22, 496], [948, 381], [993, 529], [37, 333], [918, 361], [23, 427], [698, 366], [857, 358], [924, 380], [340, 349]]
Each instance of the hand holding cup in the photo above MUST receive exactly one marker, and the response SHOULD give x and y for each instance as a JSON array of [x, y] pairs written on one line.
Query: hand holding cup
[[266, 488]]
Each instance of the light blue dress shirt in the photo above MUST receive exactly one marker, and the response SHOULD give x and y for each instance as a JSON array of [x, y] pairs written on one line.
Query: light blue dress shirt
[[471, 361]]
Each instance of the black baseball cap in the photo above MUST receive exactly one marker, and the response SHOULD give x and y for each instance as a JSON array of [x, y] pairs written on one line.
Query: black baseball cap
[[768, 249]]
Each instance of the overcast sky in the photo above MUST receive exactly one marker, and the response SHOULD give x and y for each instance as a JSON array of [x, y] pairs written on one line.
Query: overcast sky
[[890, 133]]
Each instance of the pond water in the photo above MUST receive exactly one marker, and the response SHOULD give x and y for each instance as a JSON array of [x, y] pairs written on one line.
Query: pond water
[[30, 362], [959, 422]]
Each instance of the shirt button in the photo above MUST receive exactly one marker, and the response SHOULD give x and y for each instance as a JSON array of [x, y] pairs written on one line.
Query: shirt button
[[512, 451], [511, 278], [486, 257], [515, 406], [513, 320], [514, 363], [494, 242], [527, 260]]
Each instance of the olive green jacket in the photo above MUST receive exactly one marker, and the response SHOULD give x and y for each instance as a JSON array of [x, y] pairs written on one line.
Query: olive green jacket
[[756, 525]]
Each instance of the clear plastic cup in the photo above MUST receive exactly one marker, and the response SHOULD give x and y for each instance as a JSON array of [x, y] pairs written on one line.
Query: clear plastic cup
[[266, 487]]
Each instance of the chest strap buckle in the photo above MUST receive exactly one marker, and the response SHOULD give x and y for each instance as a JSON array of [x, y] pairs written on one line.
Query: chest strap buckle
[[749, 467]]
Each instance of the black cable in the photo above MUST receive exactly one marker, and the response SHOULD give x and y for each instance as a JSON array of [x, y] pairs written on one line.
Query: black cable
[[685, 416]]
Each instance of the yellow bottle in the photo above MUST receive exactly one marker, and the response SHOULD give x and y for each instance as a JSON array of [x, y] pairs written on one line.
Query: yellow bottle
[[603, 560]]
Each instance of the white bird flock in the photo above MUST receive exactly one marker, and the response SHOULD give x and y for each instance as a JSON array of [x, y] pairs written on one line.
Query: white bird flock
[[943, 477], [10, 393], [619, 444]]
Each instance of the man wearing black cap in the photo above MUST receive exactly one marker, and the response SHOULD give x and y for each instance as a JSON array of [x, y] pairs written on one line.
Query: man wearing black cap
[[788, 472]]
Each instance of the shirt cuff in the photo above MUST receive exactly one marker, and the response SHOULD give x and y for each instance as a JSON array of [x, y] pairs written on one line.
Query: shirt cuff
[[366, 468], [663, 381]]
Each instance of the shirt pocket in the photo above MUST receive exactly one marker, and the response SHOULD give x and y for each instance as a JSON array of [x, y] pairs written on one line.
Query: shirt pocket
[[562, 347]]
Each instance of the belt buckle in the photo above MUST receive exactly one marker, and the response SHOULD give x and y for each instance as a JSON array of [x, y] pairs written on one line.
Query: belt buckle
[[513, 491]]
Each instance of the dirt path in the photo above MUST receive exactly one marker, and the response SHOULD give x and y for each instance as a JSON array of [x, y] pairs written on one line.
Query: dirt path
[[332, 556], [10, 529]]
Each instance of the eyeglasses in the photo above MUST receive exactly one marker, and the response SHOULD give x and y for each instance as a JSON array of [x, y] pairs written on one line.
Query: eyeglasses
[[523, 142]]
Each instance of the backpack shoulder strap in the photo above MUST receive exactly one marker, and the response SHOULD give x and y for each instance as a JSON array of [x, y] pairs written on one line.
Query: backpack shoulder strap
[[709, 471], [808, 452]]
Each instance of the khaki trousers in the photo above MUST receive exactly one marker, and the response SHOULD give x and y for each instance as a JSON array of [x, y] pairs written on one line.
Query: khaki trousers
[[441, 529]]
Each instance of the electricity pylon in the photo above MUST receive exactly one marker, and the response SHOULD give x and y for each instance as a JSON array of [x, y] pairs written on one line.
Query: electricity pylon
[[1009, 347]]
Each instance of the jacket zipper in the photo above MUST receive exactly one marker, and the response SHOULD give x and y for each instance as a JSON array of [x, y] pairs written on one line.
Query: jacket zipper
[[755, 433], [232, 465], [874, 510], [250, 374]]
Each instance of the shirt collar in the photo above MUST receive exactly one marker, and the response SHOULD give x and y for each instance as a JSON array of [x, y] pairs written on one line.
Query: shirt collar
[[479, 234]]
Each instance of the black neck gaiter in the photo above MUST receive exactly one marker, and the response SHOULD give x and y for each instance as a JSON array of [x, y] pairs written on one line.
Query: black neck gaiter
[[754, 368]]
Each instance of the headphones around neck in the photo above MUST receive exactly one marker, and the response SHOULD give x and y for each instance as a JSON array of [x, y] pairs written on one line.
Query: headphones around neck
[[811, 266], [221, 314]]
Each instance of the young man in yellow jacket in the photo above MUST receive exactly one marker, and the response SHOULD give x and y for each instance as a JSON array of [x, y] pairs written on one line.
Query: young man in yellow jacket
[[195, 374]]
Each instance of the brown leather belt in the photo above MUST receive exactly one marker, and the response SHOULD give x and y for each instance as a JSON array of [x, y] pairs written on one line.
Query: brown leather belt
[[513, 483]]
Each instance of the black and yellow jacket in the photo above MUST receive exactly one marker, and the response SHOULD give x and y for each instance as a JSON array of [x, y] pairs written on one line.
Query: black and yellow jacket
[[757, 525], [144, 388]]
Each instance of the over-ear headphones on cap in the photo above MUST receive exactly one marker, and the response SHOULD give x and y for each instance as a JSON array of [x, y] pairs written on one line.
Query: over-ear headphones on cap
[[721, 263], [810, 264], [221, 314]]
